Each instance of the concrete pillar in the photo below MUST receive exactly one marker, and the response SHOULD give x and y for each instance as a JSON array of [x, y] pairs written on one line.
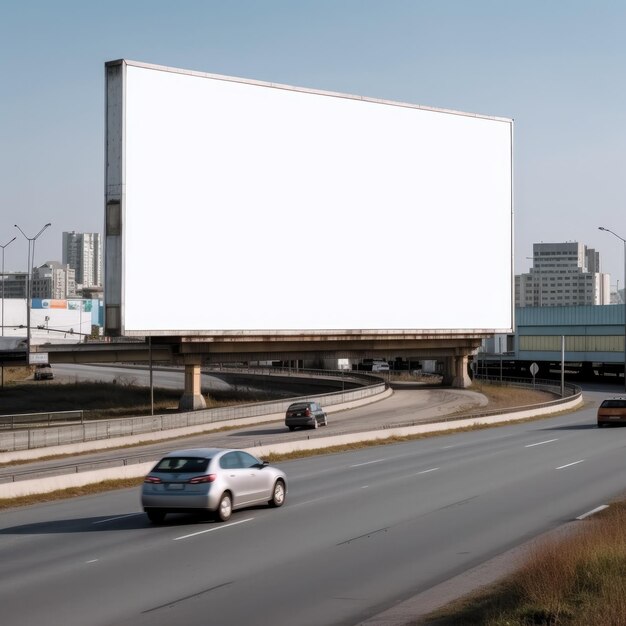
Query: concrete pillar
[[192, 397], [455, 372]]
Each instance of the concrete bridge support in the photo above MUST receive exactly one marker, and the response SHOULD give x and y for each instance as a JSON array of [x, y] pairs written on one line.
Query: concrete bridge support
[[455, 371], [192, 397]]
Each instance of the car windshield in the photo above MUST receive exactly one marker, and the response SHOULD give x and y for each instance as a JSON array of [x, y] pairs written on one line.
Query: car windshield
[[297, 407], [182, 465], [614, 404]]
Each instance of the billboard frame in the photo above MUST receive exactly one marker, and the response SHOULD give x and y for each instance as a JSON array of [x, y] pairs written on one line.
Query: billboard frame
[[115, 208]]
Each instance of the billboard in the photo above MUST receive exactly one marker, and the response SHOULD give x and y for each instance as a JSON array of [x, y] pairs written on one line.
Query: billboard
[[251, 207]]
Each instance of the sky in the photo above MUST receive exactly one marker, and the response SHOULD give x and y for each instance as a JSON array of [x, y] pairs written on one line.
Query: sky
[[557, 67]]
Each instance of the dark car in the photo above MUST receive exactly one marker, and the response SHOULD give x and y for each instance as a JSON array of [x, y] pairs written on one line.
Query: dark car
[[305, 415], [612, 411]]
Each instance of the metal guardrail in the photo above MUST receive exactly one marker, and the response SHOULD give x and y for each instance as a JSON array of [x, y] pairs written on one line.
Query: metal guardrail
[[541, 384], [36, 420], [260, 370], [76, 468], [122, 427], [573, 391]]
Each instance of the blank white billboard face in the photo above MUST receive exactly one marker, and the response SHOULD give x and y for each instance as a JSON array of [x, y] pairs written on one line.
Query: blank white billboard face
[[254, 207]]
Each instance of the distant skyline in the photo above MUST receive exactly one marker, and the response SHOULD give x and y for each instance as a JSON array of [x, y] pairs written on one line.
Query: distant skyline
[[556, 68]]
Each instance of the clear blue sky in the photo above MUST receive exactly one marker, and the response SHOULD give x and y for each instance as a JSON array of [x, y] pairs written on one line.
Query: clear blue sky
[[558, 68]]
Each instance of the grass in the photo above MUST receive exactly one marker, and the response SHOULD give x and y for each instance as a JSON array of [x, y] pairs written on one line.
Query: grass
[[99, 400], [576, 581]]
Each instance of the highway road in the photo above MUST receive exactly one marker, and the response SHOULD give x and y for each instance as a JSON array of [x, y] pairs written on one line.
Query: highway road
[[401, 408], [360, 532]]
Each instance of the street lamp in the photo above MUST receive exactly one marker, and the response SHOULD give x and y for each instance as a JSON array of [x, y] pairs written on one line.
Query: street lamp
[[29, 289], [3, 247], [608, 230], [3, 277]]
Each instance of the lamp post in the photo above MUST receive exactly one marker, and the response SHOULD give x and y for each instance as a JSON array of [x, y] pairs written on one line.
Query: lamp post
[[3, 247], [29, 288], [608, 230]]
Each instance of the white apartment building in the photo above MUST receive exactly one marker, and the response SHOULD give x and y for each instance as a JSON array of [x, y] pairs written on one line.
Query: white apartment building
[[83, 253], [54, 280], [563, 274]]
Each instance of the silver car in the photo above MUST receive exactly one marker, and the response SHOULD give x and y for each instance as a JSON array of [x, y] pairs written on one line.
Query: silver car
[[211, 480]]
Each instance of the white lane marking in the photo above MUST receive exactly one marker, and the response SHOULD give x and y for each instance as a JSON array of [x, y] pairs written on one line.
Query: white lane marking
[[292, 505], [532, 445], [92, 561], [210, 530], [448, 447], [434, 469], [593, 511], [570, 464], [111, 519], [368, 463], [364, 486]]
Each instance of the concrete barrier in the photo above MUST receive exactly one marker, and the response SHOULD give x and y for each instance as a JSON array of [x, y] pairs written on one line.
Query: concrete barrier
[[47, 485]]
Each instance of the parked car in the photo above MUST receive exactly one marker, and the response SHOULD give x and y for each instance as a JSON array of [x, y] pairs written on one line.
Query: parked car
[[210, 480], [305, 415], [612, 411], [43, 372]]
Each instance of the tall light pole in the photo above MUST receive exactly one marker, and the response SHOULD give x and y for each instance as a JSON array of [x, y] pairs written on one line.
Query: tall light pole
[[3, 247], [3, 277], [608, 230], [29, 288]]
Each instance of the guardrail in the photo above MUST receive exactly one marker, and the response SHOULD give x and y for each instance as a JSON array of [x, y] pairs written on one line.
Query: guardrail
[[35, 420], [572, 392], [541, 384], [128, 426]]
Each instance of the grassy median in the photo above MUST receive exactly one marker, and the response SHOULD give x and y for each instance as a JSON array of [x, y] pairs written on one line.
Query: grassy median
[[579, 580]]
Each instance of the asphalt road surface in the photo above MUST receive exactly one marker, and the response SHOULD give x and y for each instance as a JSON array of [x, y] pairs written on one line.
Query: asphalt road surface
[[359, 532]]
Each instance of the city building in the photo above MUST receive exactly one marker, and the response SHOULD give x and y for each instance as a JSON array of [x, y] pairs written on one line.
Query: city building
[[83, 253], [563, 274], [15, 285], [54, 281]]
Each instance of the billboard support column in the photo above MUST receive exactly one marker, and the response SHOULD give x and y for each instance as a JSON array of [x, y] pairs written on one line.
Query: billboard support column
[[192, 398], [455, 371]]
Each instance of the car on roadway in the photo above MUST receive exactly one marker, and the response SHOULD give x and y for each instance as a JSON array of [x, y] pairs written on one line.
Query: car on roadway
[[213, 481], [305, 415], [43, 372], [612, 411]]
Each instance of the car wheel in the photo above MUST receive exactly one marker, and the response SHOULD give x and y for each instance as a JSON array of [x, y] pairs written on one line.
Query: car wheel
[[224, 508], [292, 428], [156, 516], [278, 494]]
